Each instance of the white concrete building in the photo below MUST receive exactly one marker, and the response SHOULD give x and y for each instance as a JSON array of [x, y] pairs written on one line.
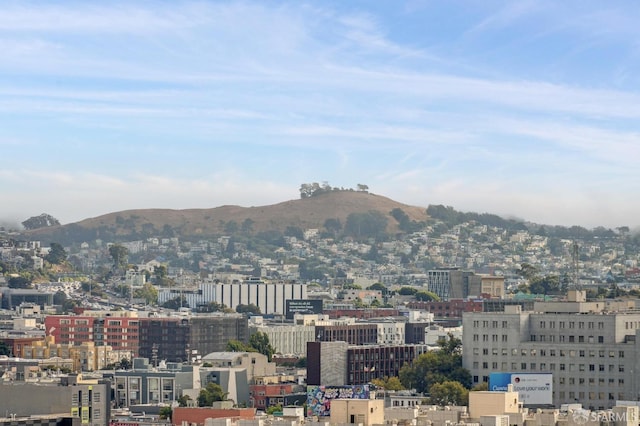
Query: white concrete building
[[269, 296], [591, 348]]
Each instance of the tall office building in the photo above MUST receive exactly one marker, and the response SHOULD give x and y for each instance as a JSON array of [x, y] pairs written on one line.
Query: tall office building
[[590, 348]]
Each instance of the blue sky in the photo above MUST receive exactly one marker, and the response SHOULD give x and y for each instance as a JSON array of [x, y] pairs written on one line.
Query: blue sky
[[528, 109]]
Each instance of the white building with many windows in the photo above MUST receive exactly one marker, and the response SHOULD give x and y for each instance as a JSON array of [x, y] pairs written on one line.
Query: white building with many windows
[[269, 296], [591, 348]]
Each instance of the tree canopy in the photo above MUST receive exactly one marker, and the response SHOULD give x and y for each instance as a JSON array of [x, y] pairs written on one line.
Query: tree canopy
[[448, 393], [388, 383], [444, 364], [119, 254], [249, 309], [176, 303], [426, 296], [57, 254], [148, 292], [260, 342], [210, 394], [372, 224], [19, 282]]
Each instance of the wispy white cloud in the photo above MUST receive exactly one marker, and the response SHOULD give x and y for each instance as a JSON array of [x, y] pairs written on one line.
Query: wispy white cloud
[[508, 14], [209, 84]]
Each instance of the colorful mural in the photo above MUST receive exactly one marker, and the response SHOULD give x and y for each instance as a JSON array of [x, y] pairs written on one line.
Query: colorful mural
[[319, 397]]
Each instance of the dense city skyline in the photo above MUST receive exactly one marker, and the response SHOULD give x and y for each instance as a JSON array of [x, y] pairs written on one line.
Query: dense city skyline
[[525, 109]]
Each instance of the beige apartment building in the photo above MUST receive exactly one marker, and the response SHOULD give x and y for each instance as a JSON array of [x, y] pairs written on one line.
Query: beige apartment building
[[86, 356], [591, 348], [357, 411]]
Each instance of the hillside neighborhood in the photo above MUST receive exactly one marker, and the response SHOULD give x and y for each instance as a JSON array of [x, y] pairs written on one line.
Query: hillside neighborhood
[[253, 325]]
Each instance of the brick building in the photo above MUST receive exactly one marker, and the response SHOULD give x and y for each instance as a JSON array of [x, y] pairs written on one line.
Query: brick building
[[121, 333]]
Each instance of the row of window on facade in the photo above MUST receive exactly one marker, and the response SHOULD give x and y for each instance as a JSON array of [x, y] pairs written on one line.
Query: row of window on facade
[[582, 353], [552, 324], [543, 366]]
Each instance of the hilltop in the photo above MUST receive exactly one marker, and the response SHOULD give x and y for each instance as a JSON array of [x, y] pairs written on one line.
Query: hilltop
[[304, 213]]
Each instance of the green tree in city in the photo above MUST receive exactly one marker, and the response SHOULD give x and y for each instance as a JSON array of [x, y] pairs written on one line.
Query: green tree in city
[[176, 303], [426, 296], [119, 254], [19, 282], [444, 364], [148, 292], [183, 401], [448, 393], [407, 291], [274, 409], [388, 383], [483, 386], [260, 342], [378, 286], [237, 346], [57, 254], [250, 309], [59, 297], [165, 413], [210, 394]]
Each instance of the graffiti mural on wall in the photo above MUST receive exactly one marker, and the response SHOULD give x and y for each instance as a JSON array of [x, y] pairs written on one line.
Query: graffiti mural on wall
[[319, 397]]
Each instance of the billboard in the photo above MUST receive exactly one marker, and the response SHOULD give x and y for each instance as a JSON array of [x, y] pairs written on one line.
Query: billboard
[[319, 397], [533, 389], [302, 306]]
